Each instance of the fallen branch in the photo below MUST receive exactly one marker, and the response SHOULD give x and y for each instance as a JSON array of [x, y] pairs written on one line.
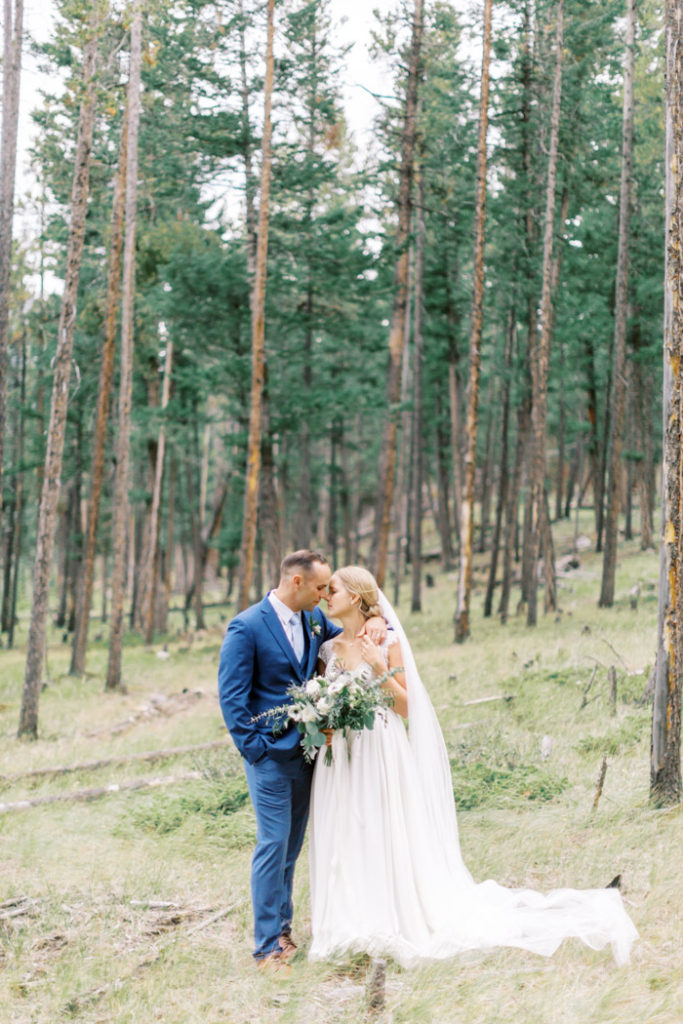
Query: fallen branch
[[601, 782], [77, 1003], [88, 766], [584, 701], [159, 704], [612, 676], [84, 795], [507, 697], [18, 907]]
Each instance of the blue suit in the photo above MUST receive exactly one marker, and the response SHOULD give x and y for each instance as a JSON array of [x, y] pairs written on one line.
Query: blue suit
[[257, 664]]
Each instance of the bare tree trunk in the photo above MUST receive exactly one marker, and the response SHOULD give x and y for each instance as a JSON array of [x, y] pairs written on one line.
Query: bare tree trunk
[[405, 446], [443, 492], [609, 561], [387, 459], [84, 598], [28, 721], [455, 401], [462, 614], [167, 575], [665, 758], [645, 501], [487, 471], [155, 515], [13, 551], [197, 560], [11, 78], [540, 357], [114, 681], [503, 476], [251, 491], [418, 424]]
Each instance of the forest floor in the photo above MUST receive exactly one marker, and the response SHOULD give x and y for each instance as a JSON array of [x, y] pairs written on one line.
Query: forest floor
[[131, 905]]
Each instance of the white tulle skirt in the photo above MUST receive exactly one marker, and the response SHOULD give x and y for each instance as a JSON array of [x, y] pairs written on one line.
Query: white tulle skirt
[[385, 882]]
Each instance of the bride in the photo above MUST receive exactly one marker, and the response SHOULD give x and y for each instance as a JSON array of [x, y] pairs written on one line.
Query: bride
[[387, 877]]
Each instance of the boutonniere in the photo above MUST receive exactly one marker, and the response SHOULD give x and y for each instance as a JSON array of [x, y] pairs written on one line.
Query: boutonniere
[[315, 626]]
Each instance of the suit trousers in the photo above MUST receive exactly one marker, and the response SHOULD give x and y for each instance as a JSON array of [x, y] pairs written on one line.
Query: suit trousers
[[280, 793]]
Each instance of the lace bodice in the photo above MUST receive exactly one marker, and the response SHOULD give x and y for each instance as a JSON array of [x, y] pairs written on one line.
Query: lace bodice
[[362, 672]]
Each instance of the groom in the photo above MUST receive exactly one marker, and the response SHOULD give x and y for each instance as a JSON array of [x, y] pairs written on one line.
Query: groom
[[267, 648]]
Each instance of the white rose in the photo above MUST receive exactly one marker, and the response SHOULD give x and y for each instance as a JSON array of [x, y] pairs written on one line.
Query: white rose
[[313, 688], [324, 705]]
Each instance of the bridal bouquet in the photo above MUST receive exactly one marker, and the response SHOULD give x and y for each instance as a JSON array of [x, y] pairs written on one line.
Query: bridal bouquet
[[321, 705]]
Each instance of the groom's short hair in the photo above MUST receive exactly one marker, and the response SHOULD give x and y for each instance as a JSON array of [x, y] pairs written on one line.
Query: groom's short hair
[[302, 561]]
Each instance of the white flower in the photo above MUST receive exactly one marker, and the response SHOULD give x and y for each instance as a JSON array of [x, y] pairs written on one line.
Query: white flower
[[324, 705], [336, 687], [313, 688], [308, 713]]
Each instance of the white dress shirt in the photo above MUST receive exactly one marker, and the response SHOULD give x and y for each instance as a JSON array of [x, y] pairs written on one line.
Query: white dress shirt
[[291, 623]]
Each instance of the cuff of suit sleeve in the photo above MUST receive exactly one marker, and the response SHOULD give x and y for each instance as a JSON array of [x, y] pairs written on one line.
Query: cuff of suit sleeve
[[254, 749]]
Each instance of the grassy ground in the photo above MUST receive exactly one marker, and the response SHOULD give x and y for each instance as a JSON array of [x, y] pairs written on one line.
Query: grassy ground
[[118, 893]]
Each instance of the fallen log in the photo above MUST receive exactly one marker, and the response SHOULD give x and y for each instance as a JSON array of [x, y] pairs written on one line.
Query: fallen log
[[507, 697], [89, 766], [84, 795]]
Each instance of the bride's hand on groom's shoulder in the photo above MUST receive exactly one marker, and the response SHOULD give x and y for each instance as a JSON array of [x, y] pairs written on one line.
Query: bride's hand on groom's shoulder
[[375, 629]]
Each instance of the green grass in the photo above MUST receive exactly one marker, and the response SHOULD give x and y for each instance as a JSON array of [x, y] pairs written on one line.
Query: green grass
[[93, 871]]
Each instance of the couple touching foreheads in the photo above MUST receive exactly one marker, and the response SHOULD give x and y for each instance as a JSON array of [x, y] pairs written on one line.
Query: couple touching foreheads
[[387, 877]]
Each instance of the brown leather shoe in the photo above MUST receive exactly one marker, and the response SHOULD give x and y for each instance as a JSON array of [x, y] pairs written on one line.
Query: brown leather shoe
[[274, 963], [287, 945]]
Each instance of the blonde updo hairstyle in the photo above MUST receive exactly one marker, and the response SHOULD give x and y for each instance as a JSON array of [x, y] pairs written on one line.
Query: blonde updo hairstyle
[[360, 582]]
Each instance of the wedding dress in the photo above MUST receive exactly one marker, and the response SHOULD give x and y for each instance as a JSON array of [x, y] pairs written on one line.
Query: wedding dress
[[387, 876]]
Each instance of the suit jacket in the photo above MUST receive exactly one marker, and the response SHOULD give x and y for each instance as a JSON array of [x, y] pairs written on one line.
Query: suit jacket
[[257, 664]]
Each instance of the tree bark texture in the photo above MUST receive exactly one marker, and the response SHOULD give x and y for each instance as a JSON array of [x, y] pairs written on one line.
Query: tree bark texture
[[120, 518], [418, 419], [503, 475], [84, 599], [155, 515], [47, 515], [665, 763], [11, 79], [462, 615], [251, 492], [609, 561], [540, 354], [387, 460]]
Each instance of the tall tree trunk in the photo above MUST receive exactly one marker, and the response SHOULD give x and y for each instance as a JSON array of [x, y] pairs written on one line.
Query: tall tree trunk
[[645, 501], [149, 609], [405, 445], [454, 397], [14, 535], [169, 551], [84, 597], [28, 721], [251, 491], [503, 475], [11, 78], [487, 467], [113, 680], [462, 614], [387, 459], [609, 561], [540, 357], [665, 758], [443, 492], [418, 425]]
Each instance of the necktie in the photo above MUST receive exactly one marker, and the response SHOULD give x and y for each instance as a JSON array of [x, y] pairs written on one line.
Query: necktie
[[297, 636]]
